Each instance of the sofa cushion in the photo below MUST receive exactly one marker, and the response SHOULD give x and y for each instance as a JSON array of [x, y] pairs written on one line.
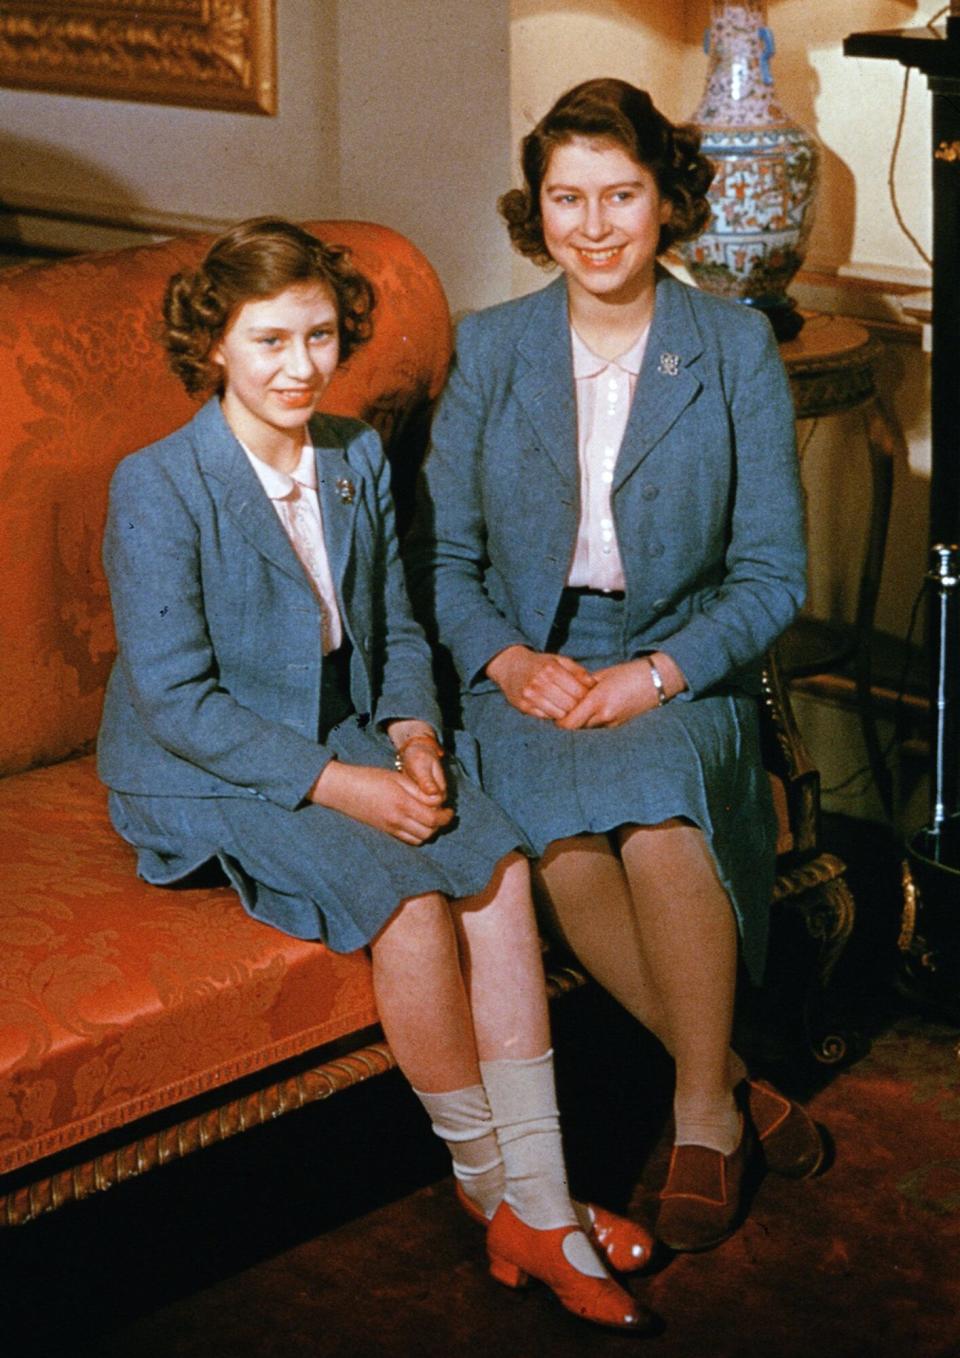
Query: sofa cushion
[[118, 999]]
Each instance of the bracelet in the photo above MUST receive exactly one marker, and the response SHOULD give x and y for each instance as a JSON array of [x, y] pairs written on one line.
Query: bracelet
[[657, 678], [435, 746]]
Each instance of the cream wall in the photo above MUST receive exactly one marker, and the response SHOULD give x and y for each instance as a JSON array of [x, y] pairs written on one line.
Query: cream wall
[[381, 106], [171, 168], [424, 100]]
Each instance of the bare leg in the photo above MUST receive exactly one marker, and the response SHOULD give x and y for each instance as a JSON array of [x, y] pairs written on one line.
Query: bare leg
[[690, 944], [421, 997], [601, 907], [500, 959], [503, 967], [587, 904], [440, 1029]]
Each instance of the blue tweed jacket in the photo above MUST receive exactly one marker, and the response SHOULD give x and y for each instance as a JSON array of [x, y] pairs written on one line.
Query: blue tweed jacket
[[706, 496], [216, 686]]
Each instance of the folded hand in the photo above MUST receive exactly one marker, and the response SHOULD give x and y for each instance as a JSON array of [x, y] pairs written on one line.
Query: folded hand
[[540, 684], [621, 692], [390, 801]]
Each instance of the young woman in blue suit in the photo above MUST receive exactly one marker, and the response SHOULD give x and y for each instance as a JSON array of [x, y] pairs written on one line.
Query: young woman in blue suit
[[609, 536], [271, 708]]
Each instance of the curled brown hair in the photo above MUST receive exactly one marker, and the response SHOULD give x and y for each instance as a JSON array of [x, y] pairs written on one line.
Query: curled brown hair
[[256, 259], [612, 110]]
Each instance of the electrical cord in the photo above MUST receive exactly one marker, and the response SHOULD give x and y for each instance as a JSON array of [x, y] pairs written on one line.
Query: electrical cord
[[892, 172]]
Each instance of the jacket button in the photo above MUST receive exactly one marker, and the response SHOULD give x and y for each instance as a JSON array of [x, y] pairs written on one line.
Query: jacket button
[[650, 492], [656, 549], [659, 605]]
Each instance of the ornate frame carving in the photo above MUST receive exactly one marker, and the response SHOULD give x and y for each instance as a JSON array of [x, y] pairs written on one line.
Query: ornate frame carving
[[204, 53]]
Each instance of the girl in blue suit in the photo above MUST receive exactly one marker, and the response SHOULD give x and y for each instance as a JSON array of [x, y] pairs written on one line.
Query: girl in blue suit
[[609, 537], [271, 708]]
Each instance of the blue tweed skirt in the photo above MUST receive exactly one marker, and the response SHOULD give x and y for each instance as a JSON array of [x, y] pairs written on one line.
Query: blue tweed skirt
[[313, 872], [697, 758]]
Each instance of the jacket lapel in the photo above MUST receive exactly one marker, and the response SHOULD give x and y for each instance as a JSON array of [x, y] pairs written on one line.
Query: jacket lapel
[[222, 458], [666, 384], [339, 488], [544, 384]]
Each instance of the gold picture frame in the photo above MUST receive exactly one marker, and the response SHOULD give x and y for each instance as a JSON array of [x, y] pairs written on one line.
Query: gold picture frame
[[202, 53]]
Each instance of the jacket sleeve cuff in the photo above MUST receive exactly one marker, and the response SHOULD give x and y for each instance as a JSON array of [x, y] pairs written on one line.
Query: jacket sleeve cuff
[[473, 656], [396, 708]]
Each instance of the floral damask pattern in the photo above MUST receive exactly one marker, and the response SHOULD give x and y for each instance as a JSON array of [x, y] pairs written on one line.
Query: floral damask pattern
[[118, 999]]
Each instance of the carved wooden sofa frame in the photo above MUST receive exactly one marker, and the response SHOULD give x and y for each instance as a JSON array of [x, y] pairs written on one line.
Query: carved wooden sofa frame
[[140, 1024]]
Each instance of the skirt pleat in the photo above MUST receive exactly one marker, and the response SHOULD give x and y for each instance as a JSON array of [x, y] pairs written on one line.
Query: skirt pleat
[[316, 873]]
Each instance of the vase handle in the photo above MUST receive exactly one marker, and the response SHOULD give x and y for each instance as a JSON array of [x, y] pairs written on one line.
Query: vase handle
[[768, 48]]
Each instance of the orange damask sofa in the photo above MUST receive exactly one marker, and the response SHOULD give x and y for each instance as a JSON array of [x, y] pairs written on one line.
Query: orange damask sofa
[[138, 1023]]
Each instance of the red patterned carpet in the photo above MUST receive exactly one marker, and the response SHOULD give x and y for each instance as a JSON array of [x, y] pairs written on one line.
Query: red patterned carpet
[[335, 1232]]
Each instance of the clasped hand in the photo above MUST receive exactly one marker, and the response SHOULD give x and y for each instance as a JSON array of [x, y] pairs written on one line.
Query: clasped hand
[[407, 804], [561, 690]]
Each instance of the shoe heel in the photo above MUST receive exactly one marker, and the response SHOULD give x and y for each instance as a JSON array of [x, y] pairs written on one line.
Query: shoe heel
[[511, 1275]]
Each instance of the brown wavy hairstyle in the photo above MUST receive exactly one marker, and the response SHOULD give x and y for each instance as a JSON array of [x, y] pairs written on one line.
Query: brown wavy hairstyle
[[256, 259], [612, 111]]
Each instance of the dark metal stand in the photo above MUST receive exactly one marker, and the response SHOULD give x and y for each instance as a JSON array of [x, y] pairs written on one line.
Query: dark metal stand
[[938, 57], [930, 932]]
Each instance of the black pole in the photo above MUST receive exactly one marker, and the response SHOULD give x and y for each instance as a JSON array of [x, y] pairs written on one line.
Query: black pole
[[945, 358], [944, 577], [937, 55]]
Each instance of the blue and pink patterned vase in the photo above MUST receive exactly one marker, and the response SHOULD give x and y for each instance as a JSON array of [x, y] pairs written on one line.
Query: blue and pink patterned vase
[[764, 193]]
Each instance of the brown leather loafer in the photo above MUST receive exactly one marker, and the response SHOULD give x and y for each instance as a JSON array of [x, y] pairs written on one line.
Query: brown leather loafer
[[789, 1139], [700, 1202]]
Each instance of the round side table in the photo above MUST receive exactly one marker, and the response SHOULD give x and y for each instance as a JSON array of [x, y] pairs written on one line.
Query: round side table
[[832, 367]]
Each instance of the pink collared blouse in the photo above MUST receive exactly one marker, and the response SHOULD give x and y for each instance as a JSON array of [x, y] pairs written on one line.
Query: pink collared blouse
[[294, 497], [605, 389]]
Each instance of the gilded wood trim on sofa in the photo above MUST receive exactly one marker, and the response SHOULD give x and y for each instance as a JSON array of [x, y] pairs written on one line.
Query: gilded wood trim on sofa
[[253, 1109]]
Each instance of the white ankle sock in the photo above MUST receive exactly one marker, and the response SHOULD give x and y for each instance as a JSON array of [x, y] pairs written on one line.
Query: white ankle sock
[[717, 1126], [523, 1101], [462, 1118]]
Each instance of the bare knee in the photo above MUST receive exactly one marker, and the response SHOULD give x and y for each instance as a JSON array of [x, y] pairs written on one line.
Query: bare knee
[[561, 849], [508, 883], [418, 920], [625, 833]]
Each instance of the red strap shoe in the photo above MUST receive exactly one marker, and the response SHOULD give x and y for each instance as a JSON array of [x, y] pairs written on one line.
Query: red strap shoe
[[626, 1246], [518, 1253]]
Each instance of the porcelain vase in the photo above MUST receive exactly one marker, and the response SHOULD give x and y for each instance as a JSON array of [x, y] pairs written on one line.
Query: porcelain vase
[[764, 193]]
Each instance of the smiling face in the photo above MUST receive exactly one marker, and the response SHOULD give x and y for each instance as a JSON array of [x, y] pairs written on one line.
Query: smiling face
[[602, 213], [278, 355]]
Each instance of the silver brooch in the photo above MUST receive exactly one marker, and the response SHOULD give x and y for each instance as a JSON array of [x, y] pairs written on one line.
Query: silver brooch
[[669, 365], [346, 490]]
